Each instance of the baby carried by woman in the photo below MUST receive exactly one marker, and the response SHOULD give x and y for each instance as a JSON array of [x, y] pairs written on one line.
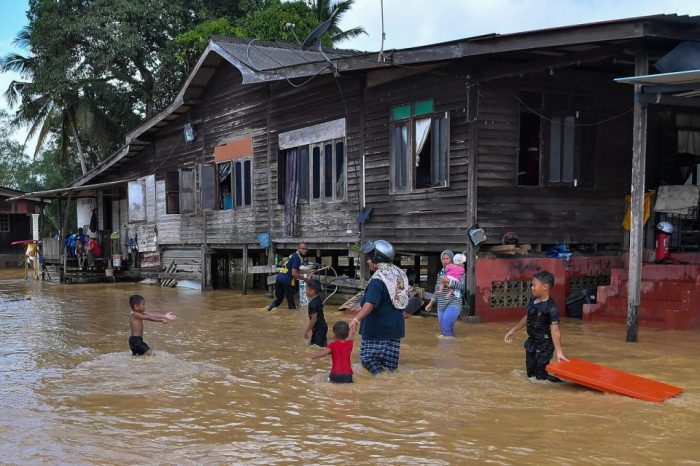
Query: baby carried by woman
[[454, 276]]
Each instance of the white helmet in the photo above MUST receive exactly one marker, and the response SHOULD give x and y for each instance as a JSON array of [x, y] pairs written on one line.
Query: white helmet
[[666, 227], [379, 250]]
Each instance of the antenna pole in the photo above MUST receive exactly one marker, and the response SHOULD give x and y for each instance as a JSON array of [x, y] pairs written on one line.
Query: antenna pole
[[380, 57]]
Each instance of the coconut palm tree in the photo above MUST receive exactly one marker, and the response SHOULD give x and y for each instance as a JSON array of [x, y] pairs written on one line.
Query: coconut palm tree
[[66, 108], [323, 10]]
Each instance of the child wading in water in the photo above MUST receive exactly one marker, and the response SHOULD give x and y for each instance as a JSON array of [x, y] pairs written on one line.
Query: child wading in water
[[318, 328], [543, 337], [340, 351], [138, 315], [454, 274]]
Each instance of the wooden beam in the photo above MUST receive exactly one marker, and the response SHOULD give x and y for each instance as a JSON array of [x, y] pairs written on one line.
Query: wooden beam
[[245, 270], [691, 102], [473, 156], [634, 277], [571, 59]]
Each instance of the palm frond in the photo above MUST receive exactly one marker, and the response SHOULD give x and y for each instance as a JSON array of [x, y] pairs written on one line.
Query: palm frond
[[45, 130], [13, 93], [14, 62], [349, 34], [64, 140], [23, 39]]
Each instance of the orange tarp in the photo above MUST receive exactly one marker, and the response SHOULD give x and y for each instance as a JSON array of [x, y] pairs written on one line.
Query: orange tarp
[[611, 380], [242, 147]]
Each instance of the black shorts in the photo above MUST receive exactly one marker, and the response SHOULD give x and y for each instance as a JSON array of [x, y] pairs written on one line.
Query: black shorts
[[340, 378], [318, 337], [138, 346]]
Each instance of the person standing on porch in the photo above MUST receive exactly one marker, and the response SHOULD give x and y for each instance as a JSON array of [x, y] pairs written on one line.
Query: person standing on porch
[[449, 306], [285, 282], [380, 318]]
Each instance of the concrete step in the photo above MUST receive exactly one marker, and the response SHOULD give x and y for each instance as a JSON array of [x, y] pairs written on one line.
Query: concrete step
[[662, 290], [649, 309]]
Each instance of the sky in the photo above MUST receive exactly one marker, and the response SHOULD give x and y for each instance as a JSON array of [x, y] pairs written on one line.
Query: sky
[[409, 23]]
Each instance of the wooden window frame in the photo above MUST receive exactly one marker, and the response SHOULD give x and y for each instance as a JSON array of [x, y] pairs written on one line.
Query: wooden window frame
[[4, 223], [242, 161], [583, 135], [208, 200], [410, 122], [170, 179], [218, 184], [322, 199], [187, 193]]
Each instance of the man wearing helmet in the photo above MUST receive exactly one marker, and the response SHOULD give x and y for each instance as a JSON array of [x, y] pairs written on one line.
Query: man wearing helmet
[[381, 311]]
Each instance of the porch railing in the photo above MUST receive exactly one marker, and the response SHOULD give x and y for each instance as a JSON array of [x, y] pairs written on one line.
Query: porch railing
[[51, 249]]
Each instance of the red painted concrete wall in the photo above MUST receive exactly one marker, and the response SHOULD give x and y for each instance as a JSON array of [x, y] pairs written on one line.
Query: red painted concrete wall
[[522, 269]]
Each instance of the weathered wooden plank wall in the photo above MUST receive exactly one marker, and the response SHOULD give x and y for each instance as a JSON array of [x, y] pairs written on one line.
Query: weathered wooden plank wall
[[540, 214], [426, 220], [323, 223]]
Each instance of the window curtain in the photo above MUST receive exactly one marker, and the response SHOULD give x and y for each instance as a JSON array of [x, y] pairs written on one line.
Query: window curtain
[[291, 194], [688, 142], [422, 132]]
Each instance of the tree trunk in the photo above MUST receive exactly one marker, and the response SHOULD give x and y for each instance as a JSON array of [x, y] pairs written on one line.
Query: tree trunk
[[81, 155]]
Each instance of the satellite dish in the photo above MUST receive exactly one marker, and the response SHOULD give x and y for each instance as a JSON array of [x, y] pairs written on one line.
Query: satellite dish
[[315, 37]]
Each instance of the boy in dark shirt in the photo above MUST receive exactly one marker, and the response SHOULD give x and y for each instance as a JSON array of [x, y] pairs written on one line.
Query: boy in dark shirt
[[317, 328], [340, 351], [542, 322]]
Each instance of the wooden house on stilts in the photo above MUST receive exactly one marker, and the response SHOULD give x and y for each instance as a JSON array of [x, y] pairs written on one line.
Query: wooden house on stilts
[[525, 133]]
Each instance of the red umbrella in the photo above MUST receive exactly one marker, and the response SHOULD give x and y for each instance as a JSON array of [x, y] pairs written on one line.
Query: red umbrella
[[22, 241]]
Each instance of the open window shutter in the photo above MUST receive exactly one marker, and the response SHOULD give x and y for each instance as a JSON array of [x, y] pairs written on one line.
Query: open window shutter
[[186, 191], [207, 186], [137, 201]]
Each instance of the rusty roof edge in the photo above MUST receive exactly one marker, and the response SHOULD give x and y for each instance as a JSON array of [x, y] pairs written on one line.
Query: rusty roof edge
[[626, 28]]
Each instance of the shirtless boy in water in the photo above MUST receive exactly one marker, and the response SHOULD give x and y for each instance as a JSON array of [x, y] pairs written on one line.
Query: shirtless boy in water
[[138, 315]]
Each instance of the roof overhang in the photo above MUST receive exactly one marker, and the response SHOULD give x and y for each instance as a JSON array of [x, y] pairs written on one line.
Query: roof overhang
[[88, 190], [676, 88]]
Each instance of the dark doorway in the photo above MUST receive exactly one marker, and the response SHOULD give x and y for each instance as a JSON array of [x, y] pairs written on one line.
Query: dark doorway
[[529, 153], [107, 213], [220, 271]]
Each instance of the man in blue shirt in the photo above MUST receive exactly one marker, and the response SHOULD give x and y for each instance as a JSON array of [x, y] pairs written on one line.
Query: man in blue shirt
[[286, 280]]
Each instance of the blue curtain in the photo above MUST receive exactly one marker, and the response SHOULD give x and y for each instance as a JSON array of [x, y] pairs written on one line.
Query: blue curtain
[[291, 194]]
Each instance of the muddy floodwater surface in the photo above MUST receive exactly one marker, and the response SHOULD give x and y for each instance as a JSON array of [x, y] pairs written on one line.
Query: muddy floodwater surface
[[229, 384]]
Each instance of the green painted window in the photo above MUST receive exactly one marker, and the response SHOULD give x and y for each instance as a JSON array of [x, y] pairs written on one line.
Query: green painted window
[[423, 107], [401, 112]]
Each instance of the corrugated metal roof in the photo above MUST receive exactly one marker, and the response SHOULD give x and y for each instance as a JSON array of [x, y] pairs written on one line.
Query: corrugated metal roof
[[265, 56], [664, 79]]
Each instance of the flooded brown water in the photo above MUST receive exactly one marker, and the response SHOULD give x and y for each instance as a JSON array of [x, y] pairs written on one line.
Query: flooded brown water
[[229, 385]]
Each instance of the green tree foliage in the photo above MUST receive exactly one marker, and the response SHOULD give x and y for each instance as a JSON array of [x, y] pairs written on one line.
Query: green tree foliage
[[22, 172], [188, 45], [268, 23], [92, 70], [12, 158], [25, 173]]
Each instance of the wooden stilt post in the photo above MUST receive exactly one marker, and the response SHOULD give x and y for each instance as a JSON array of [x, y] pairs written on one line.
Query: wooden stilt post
[[470, 266], [416, 268], [245, 270], [270, 261], [634, 278], [434, 266]]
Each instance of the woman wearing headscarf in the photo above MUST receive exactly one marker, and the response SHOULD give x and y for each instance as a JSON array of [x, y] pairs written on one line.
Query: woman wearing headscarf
[[449, 305], [381, 314]]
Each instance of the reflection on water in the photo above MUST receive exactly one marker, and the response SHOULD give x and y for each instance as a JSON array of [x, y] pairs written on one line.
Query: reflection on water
[[229, 385]]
